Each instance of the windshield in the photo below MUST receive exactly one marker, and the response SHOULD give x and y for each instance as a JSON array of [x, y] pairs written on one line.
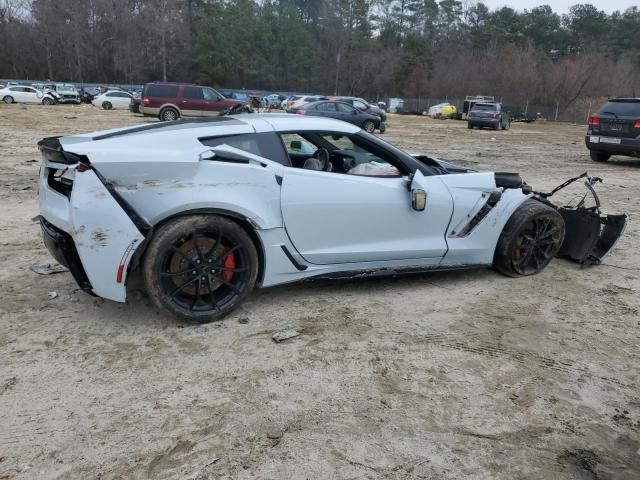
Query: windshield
[[628, 108], [66, 88]]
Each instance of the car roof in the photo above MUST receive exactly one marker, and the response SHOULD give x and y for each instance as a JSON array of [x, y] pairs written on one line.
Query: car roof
[[172, 133]]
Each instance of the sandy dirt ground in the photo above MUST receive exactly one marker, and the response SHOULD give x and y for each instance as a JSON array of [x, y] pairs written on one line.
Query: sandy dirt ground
[[440, 376]]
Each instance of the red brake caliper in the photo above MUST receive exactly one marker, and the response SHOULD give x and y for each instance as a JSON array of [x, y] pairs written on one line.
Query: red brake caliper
[[229, 262]]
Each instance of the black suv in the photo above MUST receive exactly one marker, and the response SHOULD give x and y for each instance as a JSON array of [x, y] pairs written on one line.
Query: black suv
[[615, 130]]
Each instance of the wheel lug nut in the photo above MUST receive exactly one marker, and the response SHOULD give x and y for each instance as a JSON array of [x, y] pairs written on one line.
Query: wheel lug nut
[[194, 272]]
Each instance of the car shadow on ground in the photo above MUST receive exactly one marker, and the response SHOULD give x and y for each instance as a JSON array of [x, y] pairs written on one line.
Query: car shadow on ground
[[140, 308]]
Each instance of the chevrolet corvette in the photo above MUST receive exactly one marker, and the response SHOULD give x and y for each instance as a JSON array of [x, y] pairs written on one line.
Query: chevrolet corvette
[[208, 209]]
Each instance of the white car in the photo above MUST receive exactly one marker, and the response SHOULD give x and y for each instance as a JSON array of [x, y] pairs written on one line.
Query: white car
[[298, 101], [113, 99], [206, 209], [25, 94]]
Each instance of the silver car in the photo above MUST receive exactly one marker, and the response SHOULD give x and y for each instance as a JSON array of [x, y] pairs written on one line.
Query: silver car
[[207, 209]]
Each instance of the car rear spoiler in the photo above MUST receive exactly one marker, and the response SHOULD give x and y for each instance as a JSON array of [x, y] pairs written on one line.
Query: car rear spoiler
[[52, 150], [589, 236]]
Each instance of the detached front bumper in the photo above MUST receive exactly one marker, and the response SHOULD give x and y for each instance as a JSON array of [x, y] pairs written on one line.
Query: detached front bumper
[[590, 236]]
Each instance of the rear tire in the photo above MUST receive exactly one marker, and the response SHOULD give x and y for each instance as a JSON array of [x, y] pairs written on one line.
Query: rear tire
[[530, 239], [469, 126], [107, 105], [597, 156], [506, 125], [221, 254], [169, 114], [8, 99]]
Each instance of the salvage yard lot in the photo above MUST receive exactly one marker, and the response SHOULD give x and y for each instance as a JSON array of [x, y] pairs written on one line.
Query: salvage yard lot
[[439, 376]]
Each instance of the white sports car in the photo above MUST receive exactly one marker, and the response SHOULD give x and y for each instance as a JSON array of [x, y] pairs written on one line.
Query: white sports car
[[208, 208]]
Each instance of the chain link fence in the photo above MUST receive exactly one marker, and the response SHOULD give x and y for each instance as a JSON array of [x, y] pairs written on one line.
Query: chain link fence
[[577, 112]]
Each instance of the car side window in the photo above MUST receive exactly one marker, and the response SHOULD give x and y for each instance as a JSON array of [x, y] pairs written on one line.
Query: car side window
[[266, 145], [344, 108], [210, 94], [295, 144], [348, 154], [359, 104], [193, 93]]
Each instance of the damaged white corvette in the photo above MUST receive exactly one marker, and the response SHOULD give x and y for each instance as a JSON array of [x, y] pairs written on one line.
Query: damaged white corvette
[[207, 209]]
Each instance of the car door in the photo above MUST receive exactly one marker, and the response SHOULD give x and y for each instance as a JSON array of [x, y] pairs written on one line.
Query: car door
[[192, 103], [349, 218], [216, 103], [347, 113], [32, 95], [19, 94], [123, 100]]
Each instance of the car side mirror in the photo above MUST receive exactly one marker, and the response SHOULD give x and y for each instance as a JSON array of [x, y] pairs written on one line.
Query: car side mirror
[[418, 199]]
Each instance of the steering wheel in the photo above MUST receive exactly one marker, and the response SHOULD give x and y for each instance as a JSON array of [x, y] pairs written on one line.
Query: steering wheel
[[323, 155]]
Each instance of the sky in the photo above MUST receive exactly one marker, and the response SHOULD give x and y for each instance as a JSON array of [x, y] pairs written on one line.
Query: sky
[[562, 6]]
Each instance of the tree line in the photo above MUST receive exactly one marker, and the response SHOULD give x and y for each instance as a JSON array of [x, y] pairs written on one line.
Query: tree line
[[370, 48]]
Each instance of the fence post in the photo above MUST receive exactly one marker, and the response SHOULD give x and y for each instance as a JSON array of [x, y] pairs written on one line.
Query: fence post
[[556, 117]]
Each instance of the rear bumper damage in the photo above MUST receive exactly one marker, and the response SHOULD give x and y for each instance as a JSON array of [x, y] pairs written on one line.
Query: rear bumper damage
[[589, 236]]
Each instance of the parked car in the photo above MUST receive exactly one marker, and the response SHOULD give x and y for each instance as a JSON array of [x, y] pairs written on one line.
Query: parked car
[[615, 130], [25, 94], [369, 122], [171, 101], [88, 94], [206, 210], [300, 100], [273, 101], [363, 105], [67, 93], [112, 99], [285, 102], [442, 110], [48, 89], [488, 115]]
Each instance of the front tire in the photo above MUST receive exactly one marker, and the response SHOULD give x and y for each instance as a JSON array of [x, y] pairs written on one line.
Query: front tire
[[47, 101], [8, 99], [107, 105], [470, 126], [200, 267], [530, 239], [369, 126], [597, 156]]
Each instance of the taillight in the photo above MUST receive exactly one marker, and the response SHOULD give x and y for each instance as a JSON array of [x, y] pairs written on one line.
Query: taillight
[[637, 124], [146, 101], [301, 112], [594, 120]]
